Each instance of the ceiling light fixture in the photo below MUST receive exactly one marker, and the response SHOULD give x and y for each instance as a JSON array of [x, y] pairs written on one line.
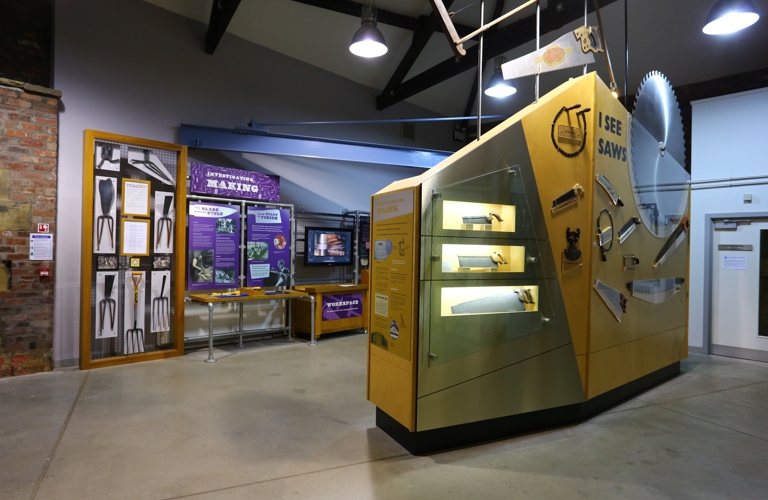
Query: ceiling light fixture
[[368, 41], [729, 16], [497, 85]]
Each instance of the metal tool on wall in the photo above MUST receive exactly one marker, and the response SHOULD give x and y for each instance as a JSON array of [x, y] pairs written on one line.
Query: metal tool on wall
[[567, 199], [134, 337], [160, 308], [107, 305], [630, 262], [106, 154], [675, 239], [628, 228], [107, 197], [165, 223], [571, 258], [568, 133], [614, 299], [604, 233], [655, 291], [608, 186], [150, 167]]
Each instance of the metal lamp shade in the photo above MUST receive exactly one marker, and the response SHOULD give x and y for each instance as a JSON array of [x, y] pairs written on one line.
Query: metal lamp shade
[[368, 41], [498, 86], [729, 16]]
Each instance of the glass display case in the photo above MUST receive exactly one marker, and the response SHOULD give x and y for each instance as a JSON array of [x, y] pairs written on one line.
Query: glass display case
[[482, 279]]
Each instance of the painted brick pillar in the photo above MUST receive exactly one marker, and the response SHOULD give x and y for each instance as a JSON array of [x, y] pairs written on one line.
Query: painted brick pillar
[[29, 121]]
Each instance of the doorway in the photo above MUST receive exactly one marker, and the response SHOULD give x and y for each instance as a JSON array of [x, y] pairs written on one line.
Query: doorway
[[740, 288]]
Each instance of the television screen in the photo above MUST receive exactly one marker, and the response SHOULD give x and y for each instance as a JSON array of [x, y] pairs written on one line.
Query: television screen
[[327, 246]]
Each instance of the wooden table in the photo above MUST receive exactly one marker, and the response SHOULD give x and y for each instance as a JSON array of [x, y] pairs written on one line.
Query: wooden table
[[312, 320], [210, 300]]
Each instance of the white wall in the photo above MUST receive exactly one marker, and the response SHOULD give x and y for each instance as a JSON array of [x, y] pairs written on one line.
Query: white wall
[[729, 140], [128, 67]]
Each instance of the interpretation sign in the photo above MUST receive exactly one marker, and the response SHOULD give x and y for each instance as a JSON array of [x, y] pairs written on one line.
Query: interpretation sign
[[222, 181], [268, 247], [214, 240], [342, 305]]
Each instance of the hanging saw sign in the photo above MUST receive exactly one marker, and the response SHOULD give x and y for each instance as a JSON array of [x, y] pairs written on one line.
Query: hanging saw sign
[[606, 184]]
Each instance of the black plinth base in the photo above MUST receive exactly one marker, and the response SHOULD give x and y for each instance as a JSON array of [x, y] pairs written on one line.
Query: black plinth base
[[486, 430]]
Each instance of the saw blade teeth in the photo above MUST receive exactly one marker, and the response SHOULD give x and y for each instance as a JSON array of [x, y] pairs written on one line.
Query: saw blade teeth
[[658, 154]]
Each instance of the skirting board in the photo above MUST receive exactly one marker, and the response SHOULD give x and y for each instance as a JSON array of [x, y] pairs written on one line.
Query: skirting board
[[433, 440], [740, 352]]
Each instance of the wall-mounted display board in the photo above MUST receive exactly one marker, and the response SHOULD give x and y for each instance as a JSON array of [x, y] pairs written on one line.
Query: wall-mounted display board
[[130, 309]]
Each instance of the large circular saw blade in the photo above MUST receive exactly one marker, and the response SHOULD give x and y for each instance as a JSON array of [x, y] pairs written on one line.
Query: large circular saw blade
[[657, 168]]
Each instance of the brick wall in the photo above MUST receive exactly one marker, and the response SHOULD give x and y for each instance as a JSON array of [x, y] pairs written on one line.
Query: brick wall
[[28, 169]]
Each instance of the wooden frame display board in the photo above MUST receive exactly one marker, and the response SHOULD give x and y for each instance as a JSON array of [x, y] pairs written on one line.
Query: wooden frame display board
[[134, 212]]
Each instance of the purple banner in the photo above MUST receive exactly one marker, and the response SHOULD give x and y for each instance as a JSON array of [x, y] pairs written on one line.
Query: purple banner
[[268, 247], [214, 240], [342, 305], [222, 181]]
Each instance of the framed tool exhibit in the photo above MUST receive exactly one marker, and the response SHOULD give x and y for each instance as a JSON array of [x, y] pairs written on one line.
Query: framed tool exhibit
[[132, 284]]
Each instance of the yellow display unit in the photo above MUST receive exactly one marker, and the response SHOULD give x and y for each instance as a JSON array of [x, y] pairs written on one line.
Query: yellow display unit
[[516, 285]]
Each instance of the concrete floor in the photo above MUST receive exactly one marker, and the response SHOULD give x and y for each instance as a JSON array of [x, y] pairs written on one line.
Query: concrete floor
[[284, 420]]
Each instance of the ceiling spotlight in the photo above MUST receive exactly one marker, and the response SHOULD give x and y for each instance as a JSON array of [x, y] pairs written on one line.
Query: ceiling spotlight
[[497, 85], [368, 41], [729, 16]]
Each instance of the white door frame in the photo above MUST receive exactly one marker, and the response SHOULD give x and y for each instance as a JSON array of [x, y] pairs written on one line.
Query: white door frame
[[708, 238]]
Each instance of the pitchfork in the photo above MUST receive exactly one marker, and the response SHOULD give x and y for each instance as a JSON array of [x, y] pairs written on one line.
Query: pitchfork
[[107, 304], [107, 194], [160, 308], [164, 222], [134, 337]]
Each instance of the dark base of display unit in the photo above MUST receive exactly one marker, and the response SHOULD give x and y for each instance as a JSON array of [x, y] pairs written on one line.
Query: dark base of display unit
[[471, 433]]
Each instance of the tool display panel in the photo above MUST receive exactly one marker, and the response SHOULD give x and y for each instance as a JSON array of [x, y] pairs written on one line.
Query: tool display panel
[[592, 306], [130, 308]]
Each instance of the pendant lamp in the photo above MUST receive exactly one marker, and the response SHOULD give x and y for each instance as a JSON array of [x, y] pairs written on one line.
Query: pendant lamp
[[729, 16], [497, 85], [368, 41]]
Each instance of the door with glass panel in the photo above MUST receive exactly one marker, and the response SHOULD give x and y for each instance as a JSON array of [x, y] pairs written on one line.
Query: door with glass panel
[[740, 288]]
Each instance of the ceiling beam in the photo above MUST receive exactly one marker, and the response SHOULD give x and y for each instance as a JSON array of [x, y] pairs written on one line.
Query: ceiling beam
[[221, 14], [355, 9], [555, 16], [419, 40]]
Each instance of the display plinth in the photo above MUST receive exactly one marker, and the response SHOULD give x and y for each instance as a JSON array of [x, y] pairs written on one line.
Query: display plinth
[[434, 440], [563, 322], [337, 308]]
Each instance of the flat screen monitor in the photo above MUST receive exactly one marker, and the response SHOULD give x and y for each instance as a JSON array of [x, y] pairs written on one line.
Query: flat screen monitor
[[328, 246]]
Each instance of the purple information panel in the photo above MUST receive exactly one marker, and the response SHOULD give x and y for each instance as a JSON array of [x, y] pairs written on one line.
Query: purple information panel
[[342, 305], [268, 247], [222, 181], [214, 238]]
